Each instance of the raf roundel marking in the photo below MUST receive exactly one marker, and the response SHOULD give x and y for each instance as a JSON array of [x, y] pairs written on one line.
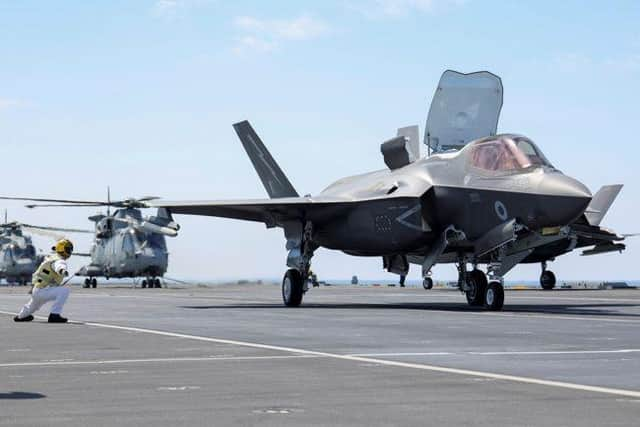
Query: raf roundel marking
[[501, 210]]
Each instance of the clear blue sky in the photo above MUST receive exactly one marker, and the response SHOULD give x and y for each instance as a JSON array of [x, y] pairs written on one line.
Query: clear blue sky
[[141, 95]]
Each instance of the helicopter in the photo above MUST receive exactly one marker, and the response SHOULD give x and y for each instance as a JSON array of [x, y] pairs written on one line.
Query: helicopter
[[18, 256], [125, 244]]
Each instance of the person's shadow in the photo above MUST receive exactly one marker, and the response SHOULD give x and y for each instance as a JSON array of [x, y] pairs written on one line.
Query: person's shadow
[[19, 395]]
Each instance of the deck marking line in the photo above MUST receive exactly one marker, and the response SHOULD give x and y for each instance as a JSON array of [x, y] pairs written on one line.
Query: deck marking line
[[159, 359], [418, 366]]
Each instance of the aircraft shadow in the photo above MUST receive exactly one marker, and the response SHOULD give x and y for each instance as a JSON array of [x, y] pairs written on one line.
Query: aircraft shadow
[[21, 395], [590, 309]]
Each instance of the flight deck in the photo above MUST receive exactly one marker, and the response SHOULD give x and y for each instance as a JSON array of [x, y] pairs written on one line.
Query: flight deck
[[350, 355]]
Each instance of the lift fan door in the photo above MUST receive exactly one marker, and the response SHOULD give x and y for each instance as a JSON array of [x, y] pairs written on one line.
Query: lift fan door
[[465, 107]]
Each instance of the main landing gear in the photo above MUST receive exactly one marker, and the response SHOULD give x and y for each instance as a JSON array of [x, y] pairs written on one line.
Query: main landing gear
[[292, 288], [301, 247], [479, 291], [547, 278], [90, 282], [152, 282]]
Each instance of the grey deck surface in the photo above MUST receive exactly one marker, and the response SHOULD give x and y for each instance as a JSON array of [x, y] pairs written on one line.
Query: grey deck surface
[[288, 366]]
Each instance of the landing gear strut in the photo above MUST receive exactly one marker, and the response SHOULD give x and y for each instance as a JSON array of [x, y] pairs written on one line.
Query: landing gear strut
[[547, 278], [301, 247]]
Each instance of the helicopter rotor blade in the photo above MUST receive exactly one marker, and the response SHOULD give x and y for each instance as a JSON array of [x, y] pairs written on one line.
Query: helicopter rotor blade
[[47, 233], [37, 199], [64, 205], [64, 230]]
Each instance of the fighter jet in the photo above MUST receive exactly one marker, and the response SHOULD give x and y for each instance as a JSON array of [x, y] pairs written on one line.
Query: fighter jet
[[479, 198]]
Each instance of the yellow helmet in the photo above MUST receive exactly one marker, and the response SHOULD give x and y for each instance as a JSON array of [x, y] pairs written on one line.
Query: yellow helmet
[[63, 248]]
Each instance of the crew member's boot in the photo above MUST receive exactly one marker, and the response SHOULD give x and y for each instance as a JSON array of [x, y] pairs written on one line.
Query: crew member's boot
[[56, 318], [29, 318]]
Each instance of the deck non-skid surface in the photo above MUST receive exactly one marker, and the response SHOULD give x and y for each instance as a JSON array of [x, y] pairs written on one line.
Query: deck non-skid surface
[[349, 356]]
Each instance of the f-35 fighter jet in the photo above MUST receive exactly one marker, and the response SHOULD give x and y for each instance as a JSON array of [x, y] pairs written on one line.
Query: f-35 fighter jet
[[478, 199]]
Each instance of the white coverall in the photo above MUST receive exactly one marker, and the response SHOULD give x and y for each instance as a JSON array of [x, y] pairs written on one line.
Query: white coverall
[[50, 292]]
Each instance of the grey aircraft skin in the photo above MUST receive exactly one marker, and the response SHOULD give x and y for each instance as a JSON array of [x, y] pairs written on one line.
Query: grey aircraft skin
[[496, 201]]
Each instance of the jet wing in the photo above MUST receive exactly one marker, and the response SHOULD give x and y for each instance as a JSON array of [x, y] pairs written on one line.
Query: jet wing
[[268, 211]]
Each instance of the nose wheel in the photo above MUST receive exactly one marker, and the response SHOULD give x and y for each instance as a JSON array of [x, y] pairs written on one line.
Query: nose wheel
[[547, 278]]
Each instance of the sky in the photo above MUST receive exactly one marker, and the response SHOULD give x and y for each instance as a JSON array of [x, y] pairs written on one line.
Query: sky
[[140, 95]]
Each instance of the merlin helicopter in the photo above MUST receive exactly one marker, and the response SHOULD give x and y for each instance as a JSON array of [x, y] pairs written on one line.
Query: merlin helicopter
[[479, 198], [19, 258], [126, 244]]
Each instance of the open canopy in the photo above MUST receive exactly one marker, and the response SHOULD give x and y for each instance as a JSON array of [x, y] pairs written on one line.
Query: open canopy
[[465, 107]]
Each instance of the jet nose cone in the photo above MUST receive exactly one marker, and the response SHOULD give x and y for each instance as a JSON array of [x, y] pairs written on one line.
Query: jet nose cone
[[557, 184], [567, 198]]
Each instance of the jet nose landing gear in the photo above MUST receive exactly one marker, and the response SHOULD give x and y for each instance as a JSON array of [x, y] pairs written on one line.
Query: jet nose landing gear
[[547, 278]]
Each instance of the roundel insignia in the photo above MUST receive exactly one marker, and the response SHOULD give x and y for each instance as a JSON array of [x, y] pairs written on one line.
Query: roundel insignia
[[501, 210]]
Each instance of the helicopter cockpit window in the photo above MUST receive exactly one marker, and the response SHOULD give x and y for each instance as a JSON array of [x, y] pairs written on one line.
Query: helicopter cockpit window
[[506, 154]]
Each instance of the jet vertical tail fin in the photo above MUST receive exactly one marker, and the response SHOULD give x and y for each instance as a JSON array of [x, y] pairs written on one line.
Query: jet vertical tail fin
[[600, 203], [274, 180]]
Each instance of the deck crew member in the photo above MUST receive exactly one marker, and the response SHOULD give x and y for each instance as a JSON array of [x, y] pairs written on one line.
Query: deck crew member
[[47, 281]]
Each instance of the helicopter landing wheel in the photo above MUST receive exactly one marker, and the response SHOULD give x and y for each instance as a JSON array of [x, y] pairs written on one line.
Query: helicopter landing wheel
[[94, 283], [87, 283]]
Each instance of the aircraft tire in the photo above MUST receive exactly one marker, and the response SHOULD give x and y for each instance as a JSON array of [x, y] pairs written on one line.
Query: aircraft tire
[[547, 280], [157, 283], [86, 283], [94, 283], [477, 282], [143, 285], [494, 296], [292, 288], [427, 283]]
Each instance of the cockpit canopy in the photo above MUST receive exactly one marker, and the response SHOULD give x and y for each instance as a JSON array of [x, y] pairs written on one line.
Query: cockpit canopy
[[506, 153]]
